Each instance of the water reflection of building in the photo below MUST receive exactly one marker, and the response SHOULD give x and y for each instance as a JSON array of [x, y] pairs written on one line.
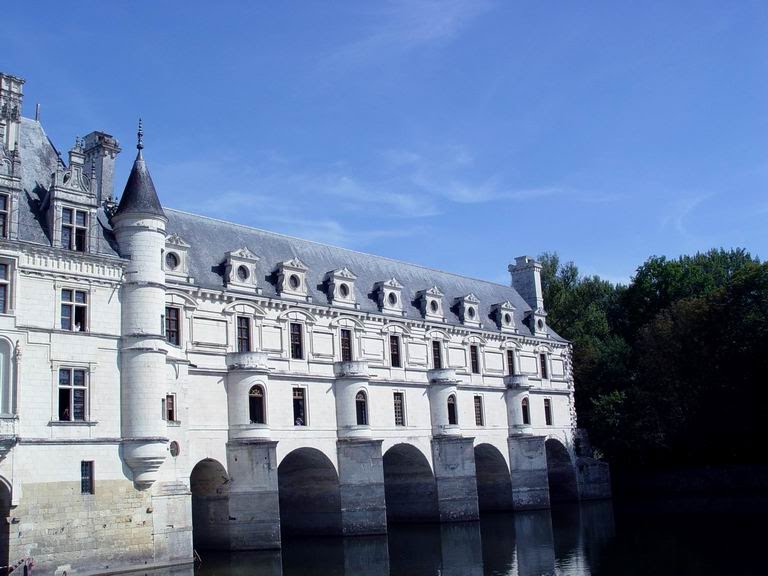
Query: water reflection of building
[[211, 381]]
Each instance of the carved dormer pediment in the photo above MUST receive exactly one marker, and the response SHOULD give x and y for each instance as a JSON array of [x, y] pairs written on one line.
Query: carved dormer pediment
[[341, 287], [431, 304], [504, 315], [292, 279], [389, 296], [175, 240], [176, 259], [469, 310], [240, 271]]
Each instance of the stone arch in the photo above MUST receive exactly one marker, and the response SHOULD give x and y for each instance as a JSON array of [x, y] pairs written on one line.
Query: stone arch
[[561, 472], [209, 484], [410, 488], [494, 483], [308, 486]]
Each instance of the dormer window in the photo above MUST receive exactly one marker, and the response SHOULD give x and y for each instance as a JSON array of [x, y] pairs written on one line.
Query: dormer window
[[176, 256], [504, 315], [341, 284], [292, 279], [74, 229], [240, 270], [469, 310], [171, 261], [389, 295], [431, 303]]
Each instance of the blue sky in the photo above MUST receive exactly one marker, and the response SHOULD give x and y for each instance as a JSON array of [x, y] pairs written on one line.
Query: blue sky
[[455, 134]]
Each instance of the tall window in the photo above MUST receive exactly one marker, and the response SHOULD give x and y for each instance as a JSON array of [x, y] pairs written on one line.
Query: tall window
[[511, 362], [299, 407], [4, 205], [474, 357], [6, 377], [5, 288], [526, 411], [74, 229], [243, 334], [453, 417], [394, 351], [361, 408], [437, 355], [86, 477], [399, 404], [548, 411], [169, 407], [479, 421], [256, 405], [346, 345], [74, 310], [172, 325], [543, 364], [297, 345], [73, 394]]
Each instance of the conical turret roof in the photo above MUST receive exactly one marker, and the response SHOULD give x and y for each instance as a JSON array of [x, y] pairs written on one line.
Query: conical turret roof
[[139, 195]]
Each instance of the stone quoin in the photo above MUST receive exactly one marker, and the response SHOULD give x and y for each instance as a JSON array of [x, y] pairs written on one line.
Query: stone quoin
[[170, 381]]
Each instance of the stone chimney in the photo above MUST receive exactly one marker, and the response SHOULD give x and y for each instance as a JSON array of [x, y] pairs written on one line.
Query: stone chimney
[[100, 151], [11, 96], [526, 279]]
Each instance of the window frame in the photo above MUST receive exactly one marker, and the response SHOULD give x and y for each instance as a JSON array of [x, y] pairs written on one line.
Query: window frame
[[304, 398], [71, 387], [544, 365], [87, 477], [474, 359], [73, 306], [243, 324], [5, 215], [263, 397], [6, 285], [364, 421], [511, 362], [525, 409], [437, 354], [346, 345], [167, 319], [296, 329], [395, 351], [403, 421], [453, 415], [170, 400], [479, 407], [74, 229], [549, 417]]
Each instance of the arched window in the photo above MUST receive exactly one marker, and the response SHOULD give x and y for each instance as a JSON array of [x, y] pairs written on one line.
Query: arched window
[[361, 407], [526, 411], [453, 419], [6, 374], [256, 405]]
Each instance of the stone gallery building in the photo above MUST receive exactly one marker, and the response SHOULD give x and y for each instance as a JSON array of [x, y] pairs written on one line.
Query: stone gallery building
[[168, 380]]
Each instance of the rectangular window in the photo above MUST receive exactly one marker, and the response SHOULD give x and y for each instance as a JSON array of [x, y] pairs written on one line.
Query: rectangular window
[[297, 345], [170, 407], [437, 356], [479, 411], [74, 310], [86, 477], [73, 395], [548, 411], [4, 205], [74, 229], [299, 407], [511, 362], [172, 326], [346, 345], [543, 364], [474, 356], [243, 334], [394, 352], [399, 402], [5, 288]]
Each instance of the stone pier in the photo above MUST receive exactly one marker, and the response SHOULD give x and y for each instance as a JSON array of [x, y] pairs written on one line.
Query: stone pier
[[454, 463], [528, 465], [361, 486]]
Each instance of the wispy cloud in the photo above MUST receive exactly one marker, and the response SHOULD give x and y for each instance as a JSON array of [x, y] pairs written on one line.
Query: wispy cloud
[[404, 25], [680, 211]]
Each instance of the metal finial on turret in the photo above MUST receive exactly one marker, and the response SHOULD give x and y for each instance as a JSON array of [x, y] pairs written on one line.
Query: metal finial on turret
[[140, 134]]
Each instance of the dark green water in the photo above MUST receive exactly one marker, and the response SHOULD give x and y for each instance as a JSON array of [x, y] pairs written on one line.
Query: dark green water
[[701, 537]]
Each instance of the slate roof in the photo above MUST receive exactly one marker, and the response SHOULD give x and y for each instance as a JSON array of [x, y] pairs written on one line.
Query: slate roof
[[210, 239]]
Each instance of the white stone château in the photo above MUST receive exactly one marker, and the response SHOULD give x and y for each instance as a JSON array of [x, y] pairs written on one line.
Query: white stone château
[[168, 378]]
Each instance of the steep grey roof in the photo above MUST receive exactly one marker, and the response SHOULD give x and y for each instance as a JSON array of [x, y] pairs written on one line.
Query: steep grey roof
[[39, 160], [210, 239], [139, 194]]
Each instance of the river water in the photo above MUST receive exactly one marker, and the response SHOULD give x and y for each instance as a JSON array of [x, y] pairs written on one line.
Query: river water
[[653, 537]]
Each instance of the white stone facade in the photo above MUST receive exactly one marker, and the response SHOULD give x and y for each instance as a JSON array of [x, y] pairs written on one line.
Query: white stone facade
[[149, 410]]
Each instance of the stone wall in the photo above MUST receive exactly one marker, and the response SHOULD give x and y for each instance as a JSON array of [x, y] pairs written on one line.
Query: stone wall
[[61, 528]]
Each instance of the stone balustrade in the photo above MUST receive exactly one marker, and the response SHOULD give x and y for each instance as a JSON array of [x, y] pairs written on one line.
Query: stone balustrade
[[442, 376], [518, 381], [256, 361], [351, 369]]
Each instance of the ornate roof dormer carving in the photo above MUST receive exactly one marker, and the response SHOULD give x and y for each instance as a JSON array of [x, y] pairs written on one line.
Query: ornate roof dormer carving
[[503, 314], [431, 304], [469, 310], [176, 257], [341, 287], [389, 296], [240, 270], [292, 279]]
